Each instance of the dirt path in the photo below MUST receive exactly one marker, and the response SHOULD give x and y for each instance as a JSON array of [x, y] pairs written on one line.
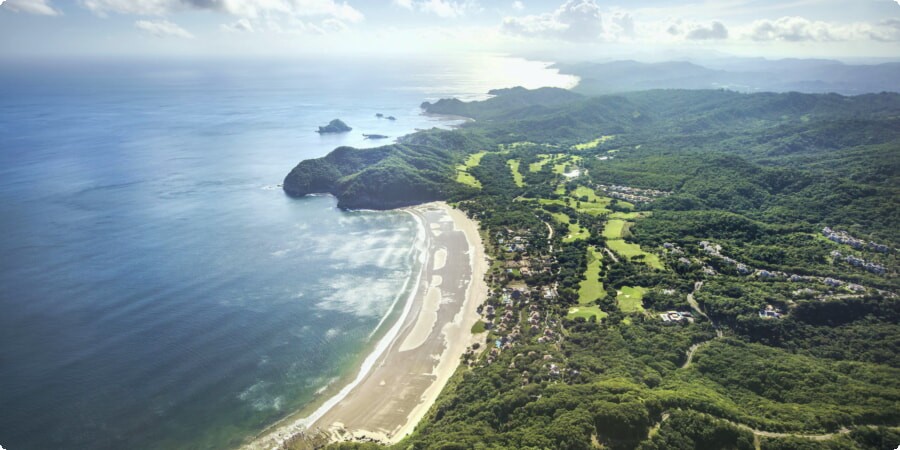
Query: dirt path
[[549, 236], [696, 307], [771, 434], [690, 353]]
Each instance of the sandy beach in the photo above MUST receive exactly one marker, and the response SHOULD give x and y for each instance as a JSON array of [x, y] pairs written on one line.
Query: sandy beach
[[397, 384]]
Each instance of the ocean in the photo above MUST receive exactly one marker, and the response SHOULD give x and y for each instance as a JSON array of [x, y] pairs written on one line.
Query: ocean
[[157, 288]]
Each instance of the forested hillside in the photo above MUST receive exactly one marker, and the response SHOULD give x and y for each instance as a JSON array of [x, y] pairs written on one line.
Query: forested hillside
[[670, 269]]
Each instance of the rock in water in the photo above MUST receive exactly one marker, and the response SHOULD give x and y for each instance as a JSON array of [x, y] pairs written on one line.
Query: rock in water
[[335, 126]]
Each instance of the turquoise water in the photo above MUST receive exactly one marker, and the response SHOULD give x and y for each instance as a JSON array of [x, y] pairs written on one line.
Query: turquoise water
[[157, 289]]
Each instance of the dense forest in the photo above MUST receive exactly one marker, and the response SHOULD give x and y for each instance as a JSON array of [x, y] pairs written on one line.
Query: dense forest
[[722, 271]]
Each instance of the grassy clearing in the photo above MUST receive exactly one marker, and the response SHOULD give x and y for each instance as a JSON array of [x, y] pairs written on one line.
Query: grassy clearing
[[462, 174], [537, 166], [591, 288], [593, 144], [595, 205], [576, 232], [474, 159], [586, 312], [594, 209], [630, 298], [517, 176], [566, 163], [478, 328], [626, 215], [547, 201], [630, 250], [626, 205], [614, 230], [584, 191], [467, 179]]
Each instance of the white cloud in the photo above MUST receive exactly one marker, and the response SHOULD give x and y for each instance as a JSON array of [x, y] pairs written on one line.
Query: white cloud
[[574, 20], [239, 26], [40, 7], [448, 9], [715, 30], [886, 31], [162, 29], [622, 24], [698, 32], [241, 8], [333, 25], [518, 6], [408, 4], [791, 29], [799, 29]]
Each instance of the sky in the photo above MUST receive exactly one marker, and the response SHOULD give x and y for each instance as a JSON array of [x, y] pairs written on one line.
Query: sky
[[550, 29]]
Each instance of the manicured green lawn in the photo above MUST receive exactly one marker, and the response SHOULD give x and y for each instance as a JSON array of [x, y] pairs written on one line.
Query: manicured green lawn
[[517, 176], [467, 179], [595, 205], [576, 232], [474, 159], [462, 174], [561, 167], [537, 166], [592, 144], [627, 215], [630, 298], [628, 250], [586, 312], [614, 229], [591, 288], [584, 191]]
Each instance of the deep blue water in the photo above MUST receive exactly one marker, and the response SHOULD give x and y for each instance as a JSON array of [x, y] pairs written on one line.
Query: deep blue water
[[157, 290]]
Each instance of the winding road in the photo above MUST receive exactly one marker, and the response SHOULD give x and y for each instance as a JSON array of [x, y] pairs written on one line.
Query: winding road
[[696, 307], [769, 434]]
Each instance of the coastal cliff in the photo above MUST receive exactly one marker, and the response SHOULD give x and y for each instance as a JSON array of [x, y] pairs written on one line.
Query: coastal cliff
[[418, 169]]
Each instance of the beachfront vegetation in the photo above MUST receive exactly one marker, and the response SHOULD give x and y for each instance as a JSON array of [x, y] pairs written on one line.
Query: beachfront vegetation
[[719, 316]]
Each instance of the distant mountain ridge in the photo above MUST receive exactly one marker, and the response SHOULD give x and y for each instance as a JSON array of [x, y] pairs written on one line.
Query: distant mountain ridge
[[740, 74]]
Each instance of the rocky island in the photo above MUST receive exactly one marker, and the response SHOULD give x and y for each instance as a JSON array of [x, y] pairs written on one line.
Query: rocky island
[[335, 126], [375, 136]]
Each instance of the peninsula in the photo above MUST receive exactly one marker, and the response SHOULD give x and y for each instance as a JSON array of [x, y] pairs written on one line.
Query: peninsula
[[662, 275]]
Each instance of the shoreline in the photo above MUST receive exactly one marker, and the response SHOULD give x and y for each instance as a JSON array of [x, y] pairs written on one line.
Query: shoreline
[[418, 353]]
